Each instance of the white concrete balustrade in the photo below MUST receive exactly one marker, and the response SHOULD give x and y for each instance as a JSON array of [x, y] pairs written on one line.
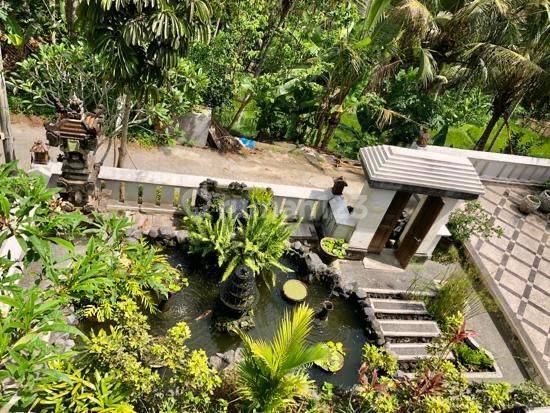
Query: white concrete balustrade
[[153, 189]]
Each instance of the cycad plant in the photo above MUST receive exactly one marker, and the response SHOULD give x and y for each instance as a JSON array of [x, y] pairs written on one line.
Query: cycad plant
[[272, 376]]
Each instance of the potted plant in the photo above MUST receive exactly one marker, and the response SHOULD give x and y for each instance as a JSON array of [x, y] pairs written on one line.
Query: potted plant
[[529, 204], [545, 200], [332, 249]]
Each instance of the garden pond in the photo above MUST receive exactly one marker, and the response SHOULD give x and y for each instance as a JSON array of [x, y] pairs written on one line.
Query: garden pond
[[195, 304]]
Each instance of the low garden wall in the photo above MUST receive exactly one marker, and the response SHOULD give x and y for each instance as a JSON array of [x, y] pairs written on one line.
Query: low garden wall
[[152, 190], [502, 167]]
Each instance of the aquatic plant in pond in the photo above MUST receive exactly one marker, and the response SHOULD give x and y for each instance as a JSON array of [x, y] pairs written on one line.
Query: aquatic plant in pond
[[335, 247], [334, 360]]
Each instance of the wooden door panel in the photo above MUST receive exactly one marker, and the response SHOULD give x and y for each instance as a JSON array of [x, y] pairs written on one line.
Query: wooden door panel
[[419, 229], [389, 221]]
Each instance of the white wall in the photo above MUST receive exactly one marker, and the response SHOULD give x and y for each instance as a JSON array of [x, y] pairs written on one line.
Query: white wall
[[502, 167], [369, 210]]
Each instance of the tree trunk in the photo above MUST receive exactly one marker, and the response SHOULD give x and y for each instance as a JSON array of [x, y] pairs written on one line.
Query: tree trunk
[[495, 137], [480, 145], [240, 112], [70, 16], [334, 121], [123, 148], [5, 123]]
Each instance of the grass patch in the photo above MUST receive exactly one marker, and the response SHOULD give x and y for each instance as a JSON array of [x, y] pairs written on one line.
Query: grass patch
[[465, 137]]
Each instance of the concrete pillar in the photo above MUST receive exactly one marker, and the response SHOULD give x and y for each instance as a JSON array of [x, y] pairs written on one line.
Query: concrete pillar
[[429, 242], [368, 211]]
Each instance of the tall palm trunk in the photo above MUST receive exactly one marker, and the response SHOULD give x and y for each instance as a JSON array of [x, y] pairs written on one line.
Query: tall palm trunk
[[5, 122], [70, 16], [123, 148], [482, 141], [334, 121]]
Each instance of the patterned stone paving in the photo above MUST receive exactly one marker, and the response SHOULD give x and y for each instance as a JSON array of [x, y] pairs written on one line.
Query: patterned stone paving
[[518, 269]]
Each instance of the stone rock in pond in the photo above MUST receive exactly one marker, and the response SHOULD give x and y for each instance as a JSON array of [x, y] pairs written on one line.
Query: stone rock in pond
[[314, 264], [167, 232], [153, 233], [222, 361], [131, 231], [181, 236], [216, 362], [297, 247], [132, 240]]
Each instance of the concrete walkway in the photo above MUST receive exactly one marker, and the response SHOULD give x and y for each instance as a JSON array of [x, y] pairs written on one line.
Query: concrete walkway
[[517, 269]]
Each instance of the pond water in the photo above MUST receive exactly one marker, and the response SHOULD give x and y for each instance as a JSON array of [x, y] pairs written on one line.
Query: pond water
[[194, 305]]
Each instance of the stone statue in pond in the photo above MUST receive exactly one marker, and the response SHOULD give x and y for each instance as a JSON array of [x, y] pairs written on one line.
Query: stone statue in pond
[[238, 293]]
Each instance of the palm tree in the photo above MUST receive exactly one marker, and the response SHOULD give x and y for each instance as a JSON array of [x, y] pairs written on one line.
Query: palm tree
[[387, 36], [139, 42], [501, 45], [272, 376]]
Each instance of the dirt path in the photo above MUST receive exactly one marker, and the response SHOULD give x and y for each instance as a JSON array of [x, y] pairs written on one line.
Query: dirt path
[[281, 163]]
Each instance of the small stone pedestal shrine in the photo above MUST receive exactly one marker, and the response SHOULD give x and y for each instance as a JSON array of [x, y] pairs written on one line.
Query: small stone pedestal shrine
[[76, 133]]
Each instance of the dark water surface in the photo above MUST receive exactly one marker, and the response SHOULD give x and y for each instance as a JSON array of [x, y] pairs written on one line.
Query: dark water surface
[[200, 296]]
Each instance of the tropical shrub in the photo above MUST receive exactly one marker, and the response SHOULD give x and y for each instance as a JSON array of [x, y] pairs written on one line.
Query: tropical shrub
[[470, 221], [530, 394], [473, 359], [212, 236], [272, 376], [126, 351], [492, 396], [260, 242], [260, 197], [109, 228], [25, 353], [82, 393], [59, 71], [379, 360], [30, 214], [456, 295], [96, 280]]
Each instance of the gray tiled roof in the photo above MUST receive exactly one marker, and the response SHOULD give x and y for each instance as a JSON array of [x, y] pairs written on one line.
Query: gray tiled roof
[[420, 171]]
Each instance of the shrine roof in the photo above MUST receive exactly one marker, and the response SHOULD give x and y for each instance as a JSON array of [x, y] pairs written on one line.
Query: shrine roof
[[420, 171]]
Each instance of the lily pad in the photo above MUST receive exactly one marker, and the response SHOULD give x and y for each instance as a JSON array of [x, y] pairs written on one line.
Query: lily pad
[[335, 358], [295, 290]]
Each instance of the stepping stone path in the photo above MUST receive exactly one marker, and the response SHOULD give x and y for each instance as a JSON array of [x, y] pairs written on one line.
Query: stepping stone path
[[404, 325]]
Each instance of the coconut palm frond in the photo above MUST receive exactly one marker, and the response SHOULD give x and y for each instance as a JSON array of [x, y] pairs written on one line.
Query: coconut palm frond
[[272, 375], [385, 117], [504, 63], [427, 66], [375, 13], [417, 17]]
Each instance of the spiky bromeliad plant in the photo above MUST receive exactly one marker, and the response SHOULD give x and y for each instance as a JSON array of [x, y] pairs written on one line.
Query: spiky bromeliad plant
[[273, 375]]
